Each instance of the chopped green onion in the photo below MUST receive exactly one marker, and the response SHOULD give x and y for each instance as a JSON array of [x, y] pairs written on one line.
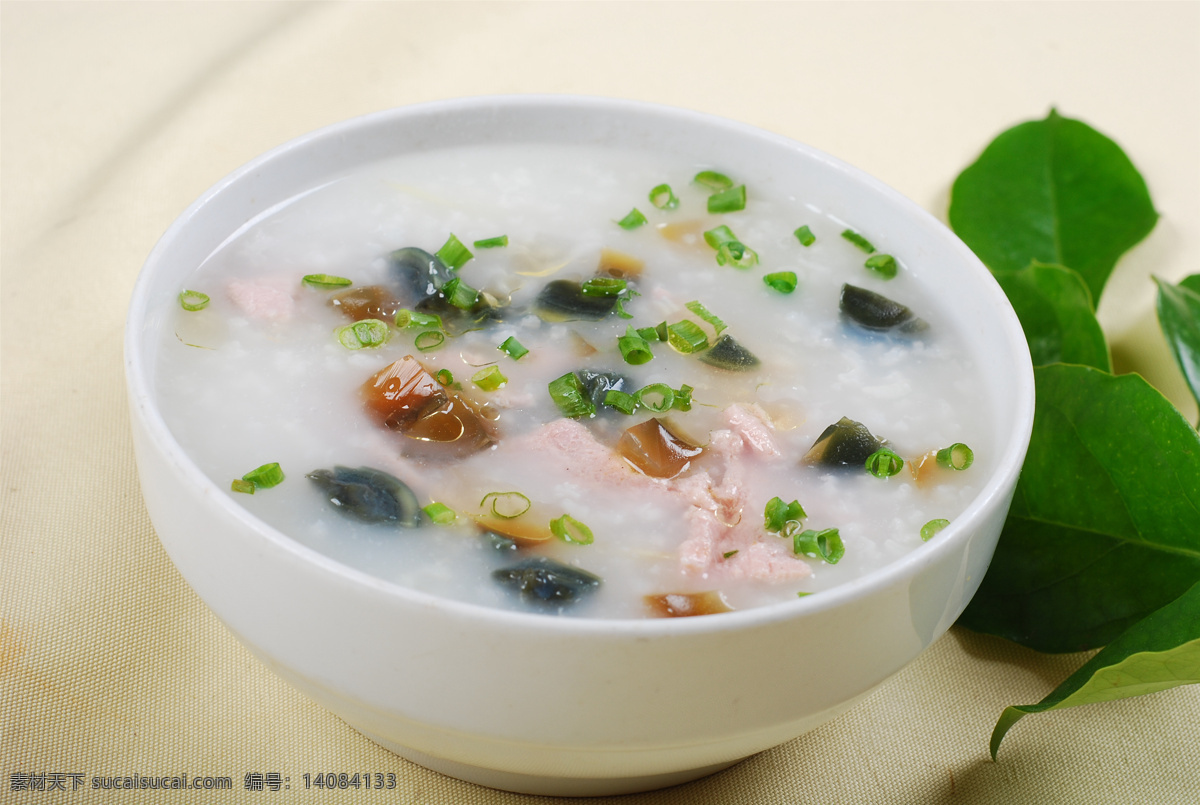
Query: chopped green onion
[[719, 236], [243, 486], [634, 348], [459, 294], [489, 379], [266, 476], [665, 393], [663, 197], [932, 527], [778, 514], [513, 348], [730, 200], [661, 329], [633, 220], [623, 402], [324, 281], [956, 457], [683, 398], [619, 307], [729, 554], [858, 240], [603, 286], [713, 181], [805, 236], [884, 463], [453, 253], [801, 594], [882, 264], [444, 377], [411, 318], [492, 243], [686, 337], [430, 339], [363, 334], [193, 300], [704, 313], [737, 254], [826, 544], [568, 529], [567, 393], [440, 513], [649, 333], [782, 281], [507, 505]]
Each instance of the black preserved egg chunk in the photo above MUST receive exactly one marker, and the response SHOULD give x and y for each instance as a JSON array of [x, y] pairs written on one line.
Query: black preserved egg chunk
[[729, 354], [545, 582], [369, 495], [877, 312], [845, 443]]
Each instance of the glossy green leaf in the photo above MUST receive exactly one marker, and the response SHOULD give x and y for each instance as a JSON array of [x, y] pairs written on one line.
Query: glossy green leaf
[[1105, 524], [1179, 317], [1160, 652], [1192, 283], [1057, 314], [1056, 191]]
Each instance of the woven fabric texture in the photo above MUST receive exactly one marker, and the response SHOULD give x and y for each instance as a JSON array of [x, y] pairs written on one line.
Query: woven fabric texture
[[117, 115]]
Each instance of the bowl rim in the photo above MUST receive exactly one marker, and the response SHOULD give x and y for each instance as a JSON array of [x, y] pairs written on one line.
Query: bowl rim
[[143, 401]]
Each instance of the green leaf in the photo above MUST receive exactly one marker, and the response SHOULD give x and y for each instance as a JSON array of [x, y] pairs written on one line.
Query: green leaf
[[1057, 314], [1105, 524], [1160, 652], [1056, 191], [1179, 317], [1192, 283]]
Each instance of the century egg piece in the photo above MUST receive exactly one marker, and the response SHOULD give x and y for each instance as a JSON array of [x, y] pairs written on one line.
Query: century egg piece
[[655, 450], [845, 443], [369, 495], [730, 355], [565, 300], [543, 581], [686, 605], [876, 312], [367, 302]]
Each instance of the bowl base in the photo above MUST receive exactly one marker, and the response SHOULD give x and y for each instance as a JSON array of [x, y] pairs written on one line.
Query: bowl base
[[548, 786]]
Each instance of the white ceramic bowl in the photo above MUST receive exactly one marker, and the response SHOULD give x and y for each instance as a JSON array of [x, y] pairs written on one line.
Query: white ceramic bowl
[[629, 705]]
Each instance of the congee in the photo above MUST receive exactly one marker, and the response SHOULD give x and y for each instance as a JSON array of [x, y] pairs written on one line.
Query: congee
[[577, 381]]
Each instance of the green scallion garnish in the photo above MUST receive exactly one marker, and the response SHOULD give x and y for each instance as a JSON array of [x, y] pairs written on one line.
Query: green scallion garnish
[[193, 300], [492, 243], [931, 528], [713, 181], [730, 200], [453, 253], [782, 281], [445, 377], [634, 349], [704, 313], [567, 393], [623, 402], [243, 486], [603, 286], [884, 463], [459, 294], [363, 334], [324, 281], [801, 594], [683, 398], [513, 348], [633, 220], [506, 505], [440, 513], [266, 476], [858, 240], [719, 236], [658, 397], [686, 337], [568, 529], [411, 318], [430, 339], [729, 554], [778, 514], [663, 197], [882, 264], [825, 544], [956, 457], [619, 307], [737, 254], [649, 333], [489, 378], [805, 236]]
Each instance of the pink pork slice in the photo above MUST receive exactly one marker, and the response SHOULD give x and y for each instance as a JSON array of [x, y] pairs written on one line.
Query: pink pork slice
[[269, 299]]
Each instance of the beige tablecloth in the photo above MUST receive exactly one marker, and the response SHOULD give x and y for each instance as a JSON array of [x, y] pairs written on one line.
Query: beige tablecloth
[[117, 115]]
